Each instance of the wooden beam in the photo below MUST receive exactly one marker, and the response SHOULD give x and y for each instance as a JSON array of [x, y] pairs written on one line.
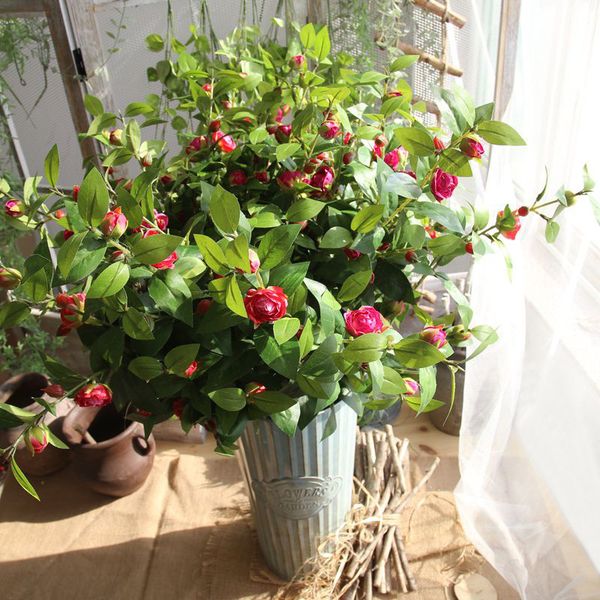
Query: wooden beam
[[21, 8], [430, 59], [437, 8], [507, 54], [66, 65], [314, 12]]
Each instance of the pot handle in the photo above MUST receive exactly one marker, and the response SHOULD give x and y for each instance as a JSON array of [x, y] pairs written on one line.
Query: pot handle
[[142, 445]]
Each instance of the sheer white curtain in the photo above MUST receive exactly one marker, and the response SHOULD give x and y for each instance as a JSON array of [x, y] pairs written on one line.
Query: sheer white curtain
[[529, 495]]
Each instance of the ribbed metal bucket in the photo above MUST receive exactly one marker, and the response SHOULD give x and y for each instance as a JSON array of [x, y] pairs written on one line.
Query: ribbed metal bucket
[[300, 487]]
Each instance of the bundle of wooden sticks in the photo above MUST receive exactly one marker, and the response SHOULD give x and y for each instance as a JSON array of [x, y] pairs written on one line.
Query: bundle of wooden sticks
[[378, 560]]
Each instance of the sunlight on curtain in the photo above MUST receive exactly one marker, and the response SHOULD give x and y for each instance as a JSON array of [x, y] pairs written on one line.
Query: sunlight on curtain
[[530, 447]]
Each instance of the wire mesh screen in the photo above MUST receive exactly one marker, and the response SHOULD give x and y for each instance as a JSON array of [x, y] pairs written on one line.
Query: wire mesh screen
[[36, 105]]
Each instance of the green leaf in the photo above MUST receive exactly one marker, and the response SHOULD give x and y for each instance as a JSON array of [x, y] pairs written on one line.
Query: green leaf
[[233, 297], [212, 253], [428, 383], [133, 109], [486, 335], [306, 340], [446, 245], [154, 42], [304, 209], [272, 402], [501, 134], [552, 229], [230, 399], [36, 285], [93, 200], [236, 254], [287, 420], [173, 296], [415, 140], [145, 367], [282, 358], [285, 329], [322, 43], [89, 256], [354, 285], [415, 404], [439, 213], [136, 325], [403, 185], [179, 358], [367, 218], [393, 383], [51, 166], [13, 313], [365, 348], [284, 151], [224, 210], [402, 62], [289, 277], [414, 353], [453, 161], [68, 252], [55, 440], [461, 105], [134, 136], [110, 281], [336, 237], [25, 416], [61, 374], [276, 244], [21, 479], [307, 35], [392, 282], [93, 105], [155, 248]]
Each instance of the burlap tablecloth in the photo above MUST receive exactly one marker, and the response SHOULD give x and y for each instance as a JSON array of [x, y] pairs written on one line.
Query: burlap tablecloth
[[186, 534]]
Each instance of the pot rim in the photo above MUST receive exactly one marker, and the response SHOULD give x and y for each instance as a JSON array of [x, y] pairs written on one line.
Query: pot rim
[[105, 443]]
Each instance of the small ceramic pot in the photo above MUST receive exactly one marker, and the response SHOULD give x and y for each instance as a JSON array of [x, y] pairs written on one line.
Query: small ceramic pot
[[443, 418], [20, 391], [117, 459]]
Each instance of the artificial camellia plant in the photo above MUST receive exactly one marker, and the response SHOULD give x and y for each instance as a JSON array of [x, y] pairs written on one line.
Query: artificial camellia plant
[[263, 271]]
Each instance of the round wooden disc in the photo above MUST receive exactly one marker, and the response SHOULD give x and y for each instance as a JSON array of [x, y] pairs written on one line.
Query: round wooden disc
[[472, 586]]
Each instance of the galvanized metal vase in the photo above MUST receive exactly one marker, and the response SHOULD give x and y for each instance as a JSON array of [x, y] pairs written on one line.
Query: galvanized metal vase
[[300, 488]]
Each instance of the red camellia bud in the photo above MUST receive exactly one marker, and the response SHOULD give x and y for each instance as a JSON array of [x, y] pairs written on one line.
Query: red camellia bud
[[167, 263], [36, 440], [384, 247], [381, 141], [322, 180], [227, 104], [266, 305], [303, 225], [329, 129], [412, 387], [166, 179], [203, 306], [207, 87], [9, 278], [67, 233], [146, 160], [75, 192], [71, 313], [364, 320], [225, 142], [523, 211], [348, 158], [431, 232], [214, 125], [392, 159], [115, 137], [469, 248], [443, 184], [114, 224], [434, 335], [472, 147], [196, 144], [348, 137], [297, 62], [13, 208], [93, 394], [254, 388], [191, 369], [261, 176], [254, 261], [439, 145], [410, 256], [54, 390], [178, 406], [510, 233], [288, 178], [282, 133], [238, 178], [395, 94], [59, 214], [352, 254], [377, 152]]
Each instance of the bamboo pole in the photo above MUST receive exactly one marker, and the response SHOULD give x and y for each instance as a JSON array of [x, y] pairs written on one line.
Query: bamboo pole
[[441, 11]]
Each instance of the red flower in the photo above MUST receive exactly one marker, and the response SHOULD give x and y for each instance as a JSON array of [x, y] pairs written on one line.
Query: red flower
[[510, 234], [71, 313], [196, 144], [431, 232], [381, 141], [54, 390], [329, 129], [364, 320], [13, 208], [469, 248], [261, 176], [298, 61], [348, 138], [288, 179], [410, 256], [161, 220], [75, 192], [443, 184], [225, 142], [178, 406], [472, 147], [37, 440], [392, 159], [322, 180], [214, 125], [434, 335], [352, 254], [377, 152], [238, 178], [282, 133], [191, 369], [166, 179], [114, 224], [266, 305], [93, 394], [9, 278], [438, 144], [203, 306]]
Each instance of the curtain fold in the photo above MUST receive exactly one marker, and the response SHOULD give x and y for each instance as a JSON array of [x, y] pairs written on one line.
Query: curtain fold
[[530, 441]]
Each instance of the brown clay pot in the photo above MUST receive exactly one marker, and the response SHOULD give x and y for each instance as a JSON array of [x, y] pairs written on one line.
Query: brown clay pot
[[117, 459], [20, 391]]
